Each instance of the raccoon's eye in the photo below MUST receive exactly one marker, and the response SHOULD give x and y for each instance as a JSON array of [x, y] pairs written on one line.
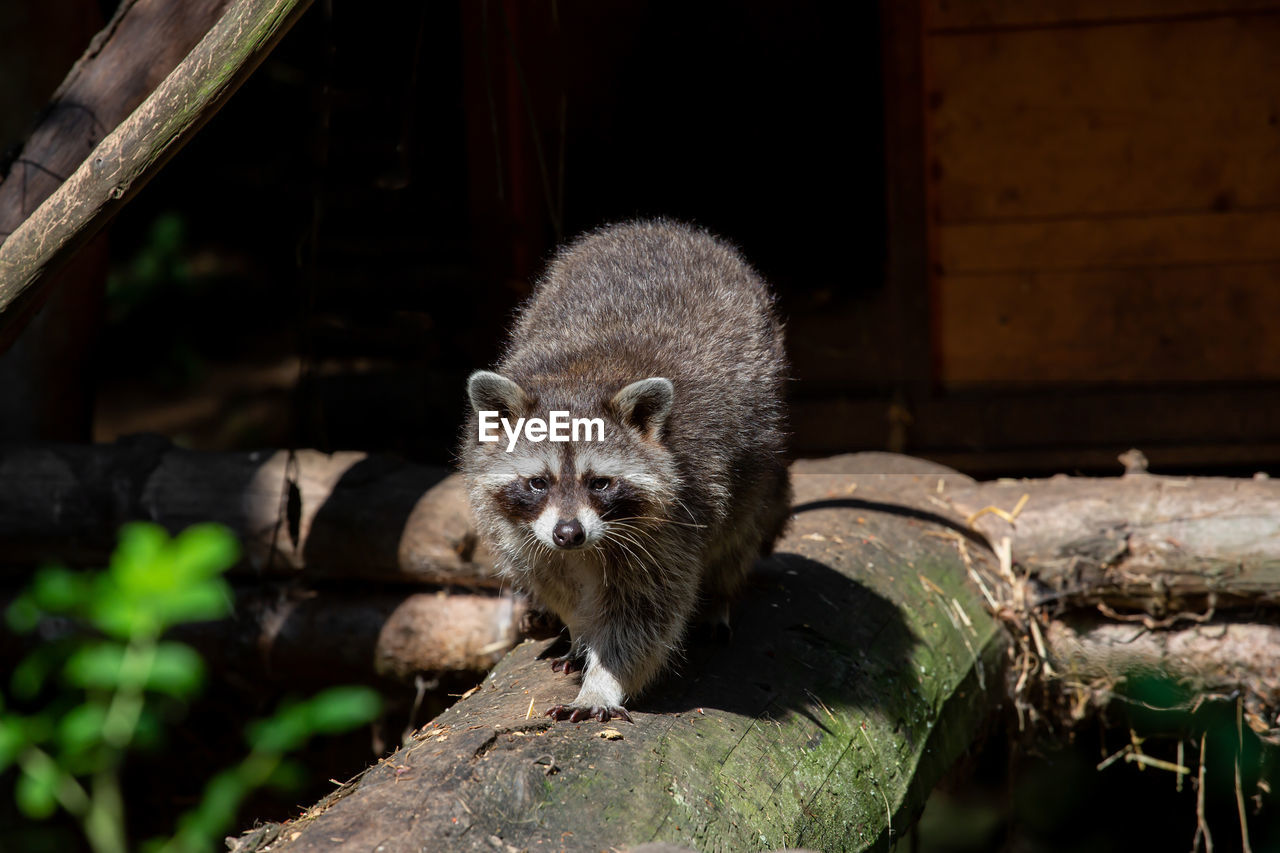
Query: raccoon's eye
[[538, 484], [599, 484]]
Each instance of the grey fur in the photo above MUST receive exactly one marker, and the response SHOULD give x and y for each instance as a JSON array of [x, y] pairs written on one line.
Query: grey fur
[[669, 336]]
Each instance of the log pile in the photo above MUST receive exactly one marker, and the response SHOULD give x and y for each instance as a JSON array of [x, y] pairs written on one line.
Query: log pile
[[905, 604]]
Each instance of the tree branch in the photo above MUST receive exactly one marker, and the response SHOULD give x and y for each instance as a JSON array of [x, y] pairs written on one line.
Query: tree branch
[[135, 150]]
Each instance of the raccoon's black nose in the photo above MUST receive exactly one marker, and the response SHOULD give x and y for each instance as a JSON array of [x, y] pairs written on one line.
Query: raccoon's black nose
[[569, 534]]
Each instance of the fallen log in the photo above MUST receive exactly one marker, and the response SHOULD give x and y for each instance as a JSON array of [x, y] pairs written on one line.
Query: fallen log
[[1102, 579], [331, 636], [1158, 545], [861, 665], [301, 514], [1181, 554], [296, 636]]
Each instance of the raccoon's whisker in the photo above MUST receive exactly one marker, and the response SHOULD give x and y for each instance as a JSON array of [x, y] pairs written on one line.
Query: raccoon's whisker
[[657, 519], [627, 560], [685, 507], [621, 548], [632, 538], [622, 538], [625, 524], [640, 535], [604, 565], [632, 558], [529, 546]]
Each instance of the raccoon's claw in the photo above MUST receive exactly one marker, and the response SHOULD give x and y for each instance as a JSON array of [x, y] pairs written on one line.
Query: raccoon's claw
[[577, 713], [567, 664]]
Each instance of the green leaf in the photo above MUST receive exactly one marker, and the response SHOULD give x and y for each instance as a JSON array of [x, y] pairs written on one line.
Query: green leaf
[[95, 666], [13, 738], [31, 673], [35, 791], [177, 670], [155, 582], [118, 613], [80, 729], [149, 732], [141, 547], [23, 614], [334, 710], [133, 614], [148, 561], [167, 233], [285, 730], [341, 708], [217, 809], [204, 551], [201, 601], [38, 727], [59, 590], [288, 776]]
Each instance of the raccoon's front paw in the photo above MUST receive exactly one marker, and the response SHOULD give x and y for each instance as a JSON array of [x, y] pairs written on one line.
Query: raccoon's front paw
[[575, 713], [567, 664]]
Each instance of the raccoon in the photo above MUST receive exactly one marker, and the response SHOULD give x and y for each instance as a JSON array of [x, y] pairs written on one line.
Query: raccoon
[[663, 333]]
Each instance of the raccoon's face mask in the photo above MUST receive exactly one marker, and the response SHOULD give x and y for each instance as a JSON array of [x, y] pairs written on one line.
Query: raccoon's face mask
[[571, 495]]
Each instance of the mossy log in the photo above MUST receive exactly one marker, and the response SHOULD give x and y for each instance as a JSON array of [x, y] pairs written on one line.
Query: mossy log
[[861, 663]]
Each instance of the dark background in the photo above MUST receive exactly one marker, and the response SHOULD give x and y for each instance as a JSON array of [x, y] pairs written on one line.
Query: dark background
[[1015, 238], [377, 199]]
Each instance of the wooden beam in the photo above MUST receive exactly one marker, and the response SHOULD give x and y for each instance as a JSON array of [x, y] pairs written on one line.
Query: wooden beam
[[125, 61], [129, 156]]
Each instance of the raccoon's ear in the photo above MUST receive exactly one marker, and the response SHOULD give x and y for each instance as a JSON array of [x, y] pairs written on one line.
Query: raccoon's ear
[[645, 405], [493, 392]]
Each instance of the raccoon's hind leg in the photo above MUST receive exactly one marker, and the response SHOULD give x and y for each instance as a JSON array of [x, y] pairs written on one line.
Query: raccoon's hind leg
[[751, 535], [727, 568], [775, 510]]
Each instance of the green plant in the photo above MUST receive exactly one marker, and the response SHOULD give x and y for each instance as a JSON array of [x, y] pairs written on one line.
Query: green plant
[[99, 686]]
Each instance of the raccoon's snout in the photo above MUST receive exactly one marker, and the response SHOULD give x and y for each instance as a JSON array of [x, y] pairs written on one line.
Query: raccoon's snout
[[569, 534]]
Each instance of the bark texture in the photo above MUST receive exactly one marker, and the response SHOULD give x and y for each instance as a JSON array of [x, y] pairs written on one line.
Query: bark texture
[[125, 61], [131, 153]]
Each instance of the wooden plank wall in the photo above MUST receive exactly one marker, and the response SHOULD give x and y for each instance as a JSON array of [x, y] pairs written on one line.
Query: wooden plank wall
[[1104, 190]]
